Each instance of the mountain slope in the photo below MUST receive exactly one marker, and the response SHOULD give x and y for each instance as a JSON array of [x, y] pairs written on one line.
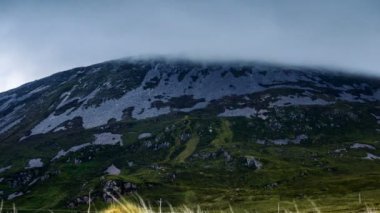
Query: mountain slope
[[189, 132]]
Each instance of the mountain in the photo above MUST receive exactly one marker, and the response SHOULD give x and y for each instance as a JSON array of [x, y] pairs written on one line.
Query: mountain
[[190, 132]]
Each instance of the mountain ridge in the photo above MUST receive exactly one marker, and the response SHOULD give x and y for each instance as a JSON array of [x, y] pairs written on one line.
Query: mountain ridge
[[65, 76], [185, 129]]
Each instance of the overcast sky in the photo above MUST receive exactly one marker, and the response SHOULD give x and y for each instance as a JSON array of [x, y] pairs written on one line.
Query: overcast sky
[[38, 38]]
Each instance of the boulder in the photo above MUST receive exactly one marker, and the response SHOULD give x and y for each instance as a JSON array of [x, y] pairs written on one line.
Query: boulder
[[252, 162]]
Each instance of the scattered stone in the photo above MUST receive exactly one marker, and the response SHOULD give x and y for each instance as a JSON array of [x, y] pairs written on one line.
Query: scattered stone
[[227, 156], [155, 166], [280, 141], [147, 144], [82, 200], [116, 189], [184, 137], [77, 161], [163, 145], [172, 177], [300, 138], [252, 162]]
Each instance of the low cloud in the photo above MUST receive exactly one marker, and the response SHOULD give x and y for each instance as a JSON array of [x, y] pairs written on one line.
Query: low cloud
[[38, 38]]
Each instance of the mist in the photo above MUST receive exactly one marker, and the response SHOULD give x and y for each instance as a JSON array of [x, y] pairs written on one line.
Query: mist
[[39, 38]]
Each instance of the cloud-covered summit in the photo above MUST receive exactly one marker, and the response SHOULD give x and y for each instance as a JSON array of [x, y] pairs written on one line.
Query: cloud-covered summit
[[38, 38]]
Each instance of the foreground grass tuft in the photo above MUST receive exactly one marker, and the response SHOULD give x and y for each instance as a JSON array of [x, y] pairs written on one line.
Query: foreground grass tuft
[[123, 206]]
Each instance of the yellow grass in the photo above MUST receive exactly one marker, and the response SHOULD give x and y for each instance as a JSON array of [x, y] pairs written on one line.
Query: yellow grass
[[123, 206]]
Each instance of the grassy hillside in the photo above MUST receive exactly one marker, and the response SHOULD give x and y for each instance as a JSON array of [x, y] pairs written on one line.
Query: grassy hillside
[[209, 161]]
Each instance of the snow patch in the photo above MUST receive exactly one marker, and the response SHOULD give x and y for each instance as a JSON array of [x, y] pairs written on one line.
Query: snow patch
[[280, 141], [284, 141], [10, 125], [340, 150], [35, 163], [63, 153], [112, 170], [61, 128], [362, 146], [244, 112], [5, 168], [14, 195], [100, 139], [297, 100], [144, 135], [23, 138], [371, 157], [262, 113], [211, 85], [300, 138], [344, 96], [107, 139], [377, 117], [141, 98]]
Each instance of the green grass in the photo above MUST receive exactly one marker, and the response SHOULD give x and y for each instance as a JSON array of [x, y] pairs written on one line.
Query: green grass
[[191, 146], [224, 136], [310, 170]]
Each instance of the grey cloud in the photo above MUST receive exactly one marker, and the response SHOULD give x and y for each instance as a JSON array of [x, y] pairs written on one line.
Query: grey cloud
[[38, 38]]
